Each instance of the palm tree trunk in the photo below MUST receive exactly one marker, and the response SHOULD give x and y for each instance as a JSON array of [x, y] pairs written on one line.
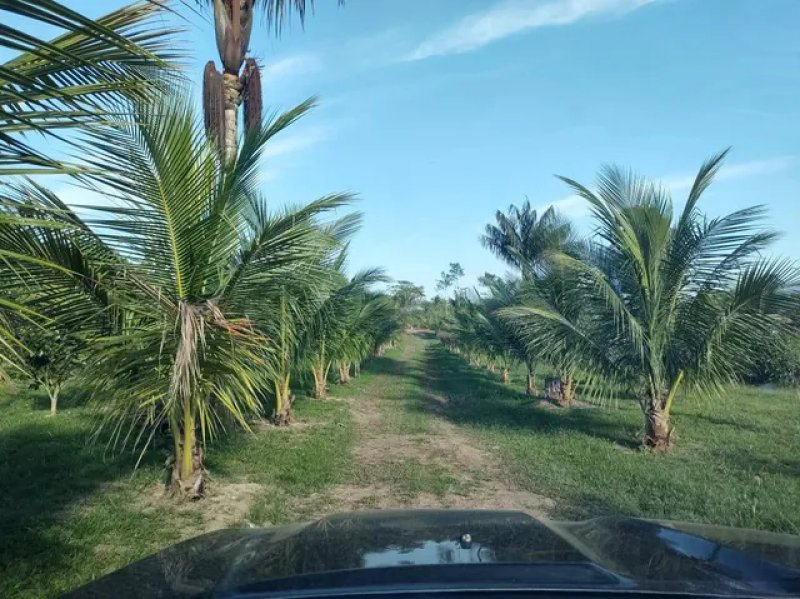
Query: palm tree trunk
[[344, 373], [490, 366], [504, 375], [567, 390], [530, 388], [559, 390], [657, 431], [319, 372], [357, 369], [282, 414], [188, 474], [233, 97]]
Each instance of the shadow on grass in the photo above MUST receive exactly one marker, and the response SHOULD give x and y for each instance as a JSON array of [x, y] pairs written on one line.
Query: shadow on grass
[[385, 365], [69, 398], [47, 469], [722, 421], [467, 396], [424, 334]]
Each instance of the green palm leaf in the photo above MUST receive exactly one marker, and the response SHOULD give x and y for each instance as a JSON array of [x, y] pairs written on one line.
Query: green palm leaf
[[80, 78]]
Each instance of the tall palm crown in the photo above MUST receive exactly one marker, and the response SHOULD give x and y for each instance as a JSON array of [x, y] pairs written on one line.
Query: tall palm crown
[[526, 240], [224, 92], [663, 297], [523, 238]]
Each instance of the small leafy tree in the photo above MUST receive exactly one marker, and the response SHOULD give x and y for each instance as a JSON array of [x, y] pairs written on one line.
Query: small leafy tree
[[450, 277], [408, 298], [54, 358]]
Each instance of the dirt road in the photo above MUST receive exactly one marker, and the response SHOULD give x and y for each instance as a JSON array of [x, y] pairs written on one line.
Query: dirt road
[[408, 455]]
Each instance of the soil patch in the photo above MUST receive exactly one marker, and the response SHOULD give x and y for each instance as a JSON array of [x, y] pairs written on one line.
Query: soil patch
[[482, 481], [224, 506]]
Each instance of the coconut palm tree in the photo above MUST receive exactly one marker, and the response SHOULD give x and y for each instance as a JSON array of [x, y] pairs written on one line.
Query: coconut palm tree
[[286, 316], [371, 323], [525, 240], [76, 79], [559, 289], [481, 332], [200, 267], [329, 335], [224, 92], [49, 257], [667, 299]]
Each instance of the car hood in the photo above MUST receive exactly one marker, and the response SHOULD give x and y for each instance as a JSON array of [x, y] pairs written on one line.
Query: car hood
[[603, 553]]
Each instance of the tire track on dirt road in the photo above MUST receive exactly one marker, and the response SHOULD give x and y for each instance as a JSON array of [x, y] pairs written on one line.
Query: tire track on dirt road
[[408, 455]]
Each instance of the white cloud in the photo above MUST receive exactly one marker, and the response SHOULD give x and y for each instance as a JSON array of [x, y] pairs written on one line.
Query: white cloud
[[294, 143], [733, 172], [301, 64], [513, 17], [573, 206]]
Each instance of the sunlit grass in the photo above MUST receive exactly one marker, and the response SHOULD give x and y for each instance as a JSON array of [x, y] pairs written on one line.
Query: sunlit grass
[[70, 511], [736, 461]]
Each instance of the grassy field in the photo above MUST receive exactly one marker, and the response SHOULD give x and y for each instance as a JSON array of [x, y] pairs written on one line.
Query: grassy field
[[736, 462], [70, 511]]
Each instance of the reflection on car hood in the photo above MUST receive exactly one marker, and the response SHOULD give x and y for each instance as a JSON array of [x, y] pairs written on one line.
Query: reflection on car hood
[[624, 553]]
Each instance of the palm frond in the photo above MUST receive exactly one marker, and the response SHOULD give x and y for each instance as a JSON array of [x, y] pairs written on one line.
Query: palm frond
[[80, 78]]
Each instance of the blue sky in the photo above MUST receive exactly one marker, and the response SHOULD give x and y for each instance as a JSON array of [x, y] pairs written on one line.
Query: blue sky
[[437, 113]]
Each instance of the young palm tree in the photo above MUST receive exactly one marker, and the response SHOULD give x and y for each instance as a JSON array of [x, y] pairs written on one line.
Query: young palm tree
[[328, 337], [286, 316], [199, 270], [55, 291], [224, 92], [665, 299], [481, 332], [559, 289], [77, 78], [370, 324], [525, 240]]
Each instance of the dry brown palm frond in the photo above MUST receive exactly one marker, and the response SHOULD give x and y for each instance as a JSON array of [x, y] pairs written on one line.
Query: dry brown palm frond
[[214, 103], [251, 95]]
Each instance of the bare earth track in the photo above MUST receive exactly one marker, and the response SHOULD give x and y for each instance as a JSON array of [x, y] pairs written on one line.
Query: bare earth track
[[407, 455]]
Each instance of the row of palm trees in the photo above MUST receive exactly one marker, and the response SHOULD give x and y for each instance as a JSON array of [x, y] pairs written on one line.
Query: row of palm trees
[[659, 299], [185, 303]]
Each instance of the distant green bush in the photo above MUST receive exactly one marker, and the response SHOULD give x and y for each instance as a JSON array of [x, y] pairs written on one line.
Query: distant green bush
[[776, 361]]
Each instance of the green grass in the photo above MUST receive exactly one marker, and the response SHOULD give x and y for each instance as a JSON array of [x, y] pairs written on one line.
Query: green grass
[[393, 382], [736, 461], [394, 378], [411, 477], [70, 512]]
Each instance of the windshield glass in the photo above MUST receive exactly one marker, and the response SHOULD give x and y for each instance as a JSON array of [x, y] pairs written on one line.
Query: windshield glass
[[266, 263]]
